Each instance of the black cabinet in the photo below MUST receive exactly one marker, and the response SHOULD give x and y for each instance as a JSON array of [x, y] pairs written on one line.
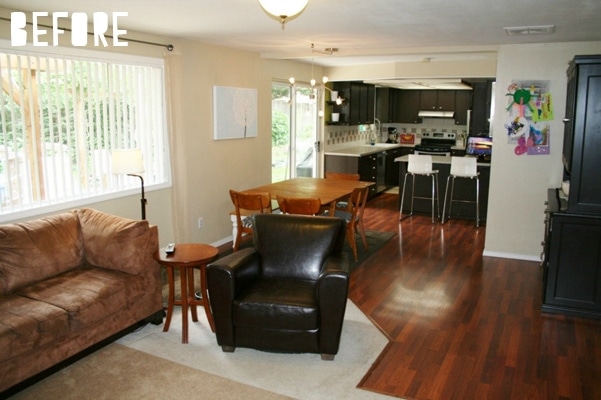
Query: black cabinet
[[582, 134], [572, 246], [437, 100], [571, 261], [384, 100], [359, 105], [463, 102], [392, 167], [368, 170], [481, 102], [405, 106]]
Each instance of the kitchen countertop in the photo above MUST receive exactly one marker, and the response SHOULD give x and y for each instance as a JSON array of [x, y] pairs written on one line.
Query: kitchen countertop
[[440, 160], [359, 151]]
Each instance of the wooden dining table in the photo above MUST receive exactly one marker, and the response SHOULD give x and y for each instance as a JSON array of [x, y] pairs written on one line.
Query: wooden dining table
[[329, 191]]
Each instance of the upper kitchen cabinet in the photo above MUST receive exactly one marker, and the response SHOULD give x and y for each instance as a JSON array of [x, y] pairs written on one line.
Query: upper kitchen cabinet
[[481, 102], [406, 105], [383, 103], [437, 100], [463, 102], [359, 104]]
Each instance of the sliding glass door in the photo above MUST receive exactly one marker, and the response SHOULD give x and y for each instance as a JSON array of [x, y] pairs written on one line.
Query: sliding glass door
[[295, 132]]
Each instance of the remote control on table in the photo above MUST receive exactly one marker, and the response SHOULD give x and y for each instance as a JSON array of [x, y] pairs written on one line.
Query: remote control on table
[[170, 248]]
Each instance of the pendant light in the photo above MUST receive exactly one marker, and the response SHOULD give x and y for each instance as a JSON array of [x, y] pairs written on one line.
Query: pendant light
[[283, 10]]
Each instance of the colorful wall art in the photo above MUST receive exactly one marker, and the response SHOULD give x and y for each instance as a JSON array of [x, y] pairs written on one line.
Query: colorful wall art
[[530, 107]]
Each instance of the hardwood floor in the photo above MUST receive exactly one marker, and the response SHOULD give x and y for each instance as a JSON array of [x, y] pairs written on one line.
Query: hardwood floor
[[464, 326]]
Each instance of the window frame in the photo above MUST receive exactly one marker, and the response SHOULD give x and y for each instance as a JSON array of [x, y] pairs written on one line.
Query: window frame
[[126, 185]]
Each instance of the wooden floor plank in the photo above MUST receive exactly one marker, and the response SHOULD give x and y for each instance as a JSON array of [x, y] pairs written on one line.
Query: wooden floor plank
[[464, 326]]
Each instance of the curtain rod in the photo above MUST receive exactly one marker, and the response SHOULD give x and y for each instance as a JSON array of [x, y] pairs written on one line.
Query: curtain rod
[[167, 46]]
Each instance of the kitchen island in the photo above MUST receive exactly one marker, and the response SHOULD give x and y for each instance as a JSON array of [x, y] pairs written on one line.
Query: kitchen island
[[374, 163], [465, 189]]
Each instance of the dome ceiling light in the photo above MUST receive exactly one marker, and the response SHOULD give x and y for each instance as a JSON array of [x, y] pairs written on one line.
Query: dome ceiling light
[[283, 10]]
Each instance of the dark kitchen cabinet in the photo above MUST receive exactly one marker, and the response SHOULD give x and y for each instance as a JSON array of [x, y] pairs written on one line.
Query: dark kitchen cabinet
[[463, 102], [368, 170], [359, 104], [481, 102], [437, 100], [384, 101], [406, 105], [392, 167]]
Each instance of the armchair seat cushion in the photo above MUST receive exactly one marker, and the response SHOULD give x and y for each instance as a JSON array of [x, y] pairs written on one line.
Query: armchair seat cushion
[[287, 304]]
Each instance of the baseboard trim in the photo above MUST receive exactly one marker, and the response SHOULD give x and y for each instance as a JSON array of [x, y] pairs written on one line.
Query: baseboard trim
[[513, 256]]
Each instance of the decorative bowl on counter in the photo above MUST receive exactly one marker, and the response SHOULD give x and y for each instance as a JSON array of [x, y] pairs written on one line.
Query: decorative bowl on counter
[[407, 138]]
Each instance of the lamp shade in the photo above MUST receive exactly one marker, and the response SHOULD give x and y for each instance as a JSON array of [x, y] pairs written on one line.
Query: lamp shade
[[127, 161], [283, 10]]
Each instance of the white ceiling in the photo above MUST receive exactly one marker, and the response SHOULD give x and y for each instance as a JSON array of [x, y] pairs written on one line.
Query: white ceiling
[[366, 32]]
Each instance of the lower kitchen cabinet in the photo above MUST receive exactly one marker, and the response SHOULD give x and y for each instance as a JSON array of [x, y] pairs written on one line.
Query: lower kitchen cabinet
[[571, 261], [371, 168]]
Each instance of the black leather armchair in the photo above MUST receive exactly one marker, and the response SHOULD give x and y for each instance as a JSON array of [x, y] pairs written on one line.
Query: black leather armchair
[[286, 294]]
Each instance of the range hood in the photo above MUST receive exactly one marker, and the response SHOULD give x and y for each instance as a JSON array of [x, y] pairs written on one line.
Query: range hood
[[435, 114]]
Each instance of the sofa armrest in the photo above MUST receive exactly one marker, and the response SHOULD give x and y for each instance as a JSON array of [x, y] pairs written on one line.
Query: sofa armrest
[[226, 278], [332, 292], [115, 242]]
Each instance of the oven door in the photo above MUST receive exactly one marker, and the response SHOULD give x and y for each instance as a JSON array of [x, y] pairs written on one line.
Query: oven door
[[433, 153]]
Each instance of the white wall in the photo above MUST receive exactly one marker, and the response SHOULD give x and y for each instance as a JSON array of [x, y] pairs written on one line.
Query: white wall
[[518, 184]]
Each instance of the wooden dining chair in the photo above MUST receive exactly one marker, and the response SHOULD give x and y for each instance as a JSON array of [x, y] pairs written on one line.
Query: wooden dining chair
[[247, 204], [342, 205], [353, 215], [297, 205]]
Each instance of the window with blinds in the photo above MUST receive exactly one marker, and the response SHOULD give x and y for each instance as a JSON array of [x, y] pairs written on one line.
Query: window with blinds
[[60, 118]]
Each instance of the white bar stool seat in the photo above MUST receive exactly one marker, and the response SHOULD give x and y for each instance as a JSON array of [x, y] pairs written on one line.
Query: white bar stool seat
[[462, 167], [421, 164]]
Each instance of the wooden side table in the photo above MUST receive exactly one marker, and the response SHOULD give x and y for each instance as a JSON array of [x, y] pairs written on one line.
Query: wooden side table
[[186, 257]]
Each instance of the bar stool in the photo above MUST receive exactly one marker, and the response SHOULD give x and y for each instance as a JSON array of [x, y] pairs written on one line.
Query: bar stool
[[420, 164], [463, 167]]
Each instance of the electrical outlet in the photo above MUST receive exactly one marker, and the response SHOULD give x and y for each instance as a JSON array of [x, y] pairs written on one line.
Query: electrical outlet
[[200, 222]]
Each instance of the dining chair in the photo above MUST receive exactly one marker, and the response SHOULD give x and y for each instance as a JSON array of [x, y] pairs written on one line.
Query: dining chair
[[467, 168], [341, 205], [421, 165], [298, 205], [247, 204], [353, 215]]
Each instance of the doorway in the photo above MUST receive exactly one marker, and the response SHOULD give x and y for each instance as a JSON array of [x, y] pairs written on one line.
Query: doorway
[[294, 131]]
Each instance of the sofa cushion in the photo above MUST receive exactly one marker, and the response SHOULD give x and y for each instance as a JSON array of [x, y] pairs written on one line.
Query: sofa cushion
[[114, 242], [87, 294], [35, 250], [27, 324]]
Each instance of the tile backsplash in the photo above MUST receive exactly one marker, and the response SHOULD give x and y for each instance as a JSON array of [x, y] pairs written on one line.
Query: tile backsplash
[[341, 136]]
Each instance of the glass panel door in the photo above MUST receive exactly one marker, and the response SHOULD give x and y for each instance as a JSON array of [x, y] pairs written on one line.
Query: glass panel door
[[294, 131]]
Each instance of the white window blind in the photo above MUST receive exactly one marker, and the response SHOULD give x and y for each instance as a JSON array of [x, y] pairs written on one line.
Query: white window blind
[[61, 117]]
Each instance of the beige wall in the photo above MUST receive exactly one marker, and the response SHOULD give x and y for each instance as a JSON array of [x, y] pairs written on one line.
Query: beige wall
[[518, 190]]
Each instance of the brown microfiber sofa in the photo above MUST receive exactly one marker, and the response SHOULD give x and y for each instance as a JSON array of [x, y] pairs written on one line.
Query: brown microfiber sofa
[[68, 282]]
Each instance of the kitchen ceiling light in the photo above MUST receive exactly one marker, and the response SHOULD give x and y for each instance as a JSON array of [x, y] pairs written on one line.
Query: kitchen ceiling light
[[283, 10]]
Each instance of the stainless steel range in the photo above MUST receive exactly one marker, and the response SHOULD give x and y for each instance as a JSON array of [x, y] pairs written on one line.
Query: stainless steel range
[[436, 143]]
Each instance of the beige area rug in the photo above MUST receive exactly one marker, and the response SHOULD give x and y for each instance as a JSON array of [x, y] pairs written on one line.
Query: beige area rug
[[118, 372], [300, 376]]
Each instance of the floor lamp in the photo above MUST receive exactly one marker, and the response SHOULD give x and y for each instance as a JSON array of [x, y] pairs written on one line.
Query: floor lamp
[[129, 162]]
